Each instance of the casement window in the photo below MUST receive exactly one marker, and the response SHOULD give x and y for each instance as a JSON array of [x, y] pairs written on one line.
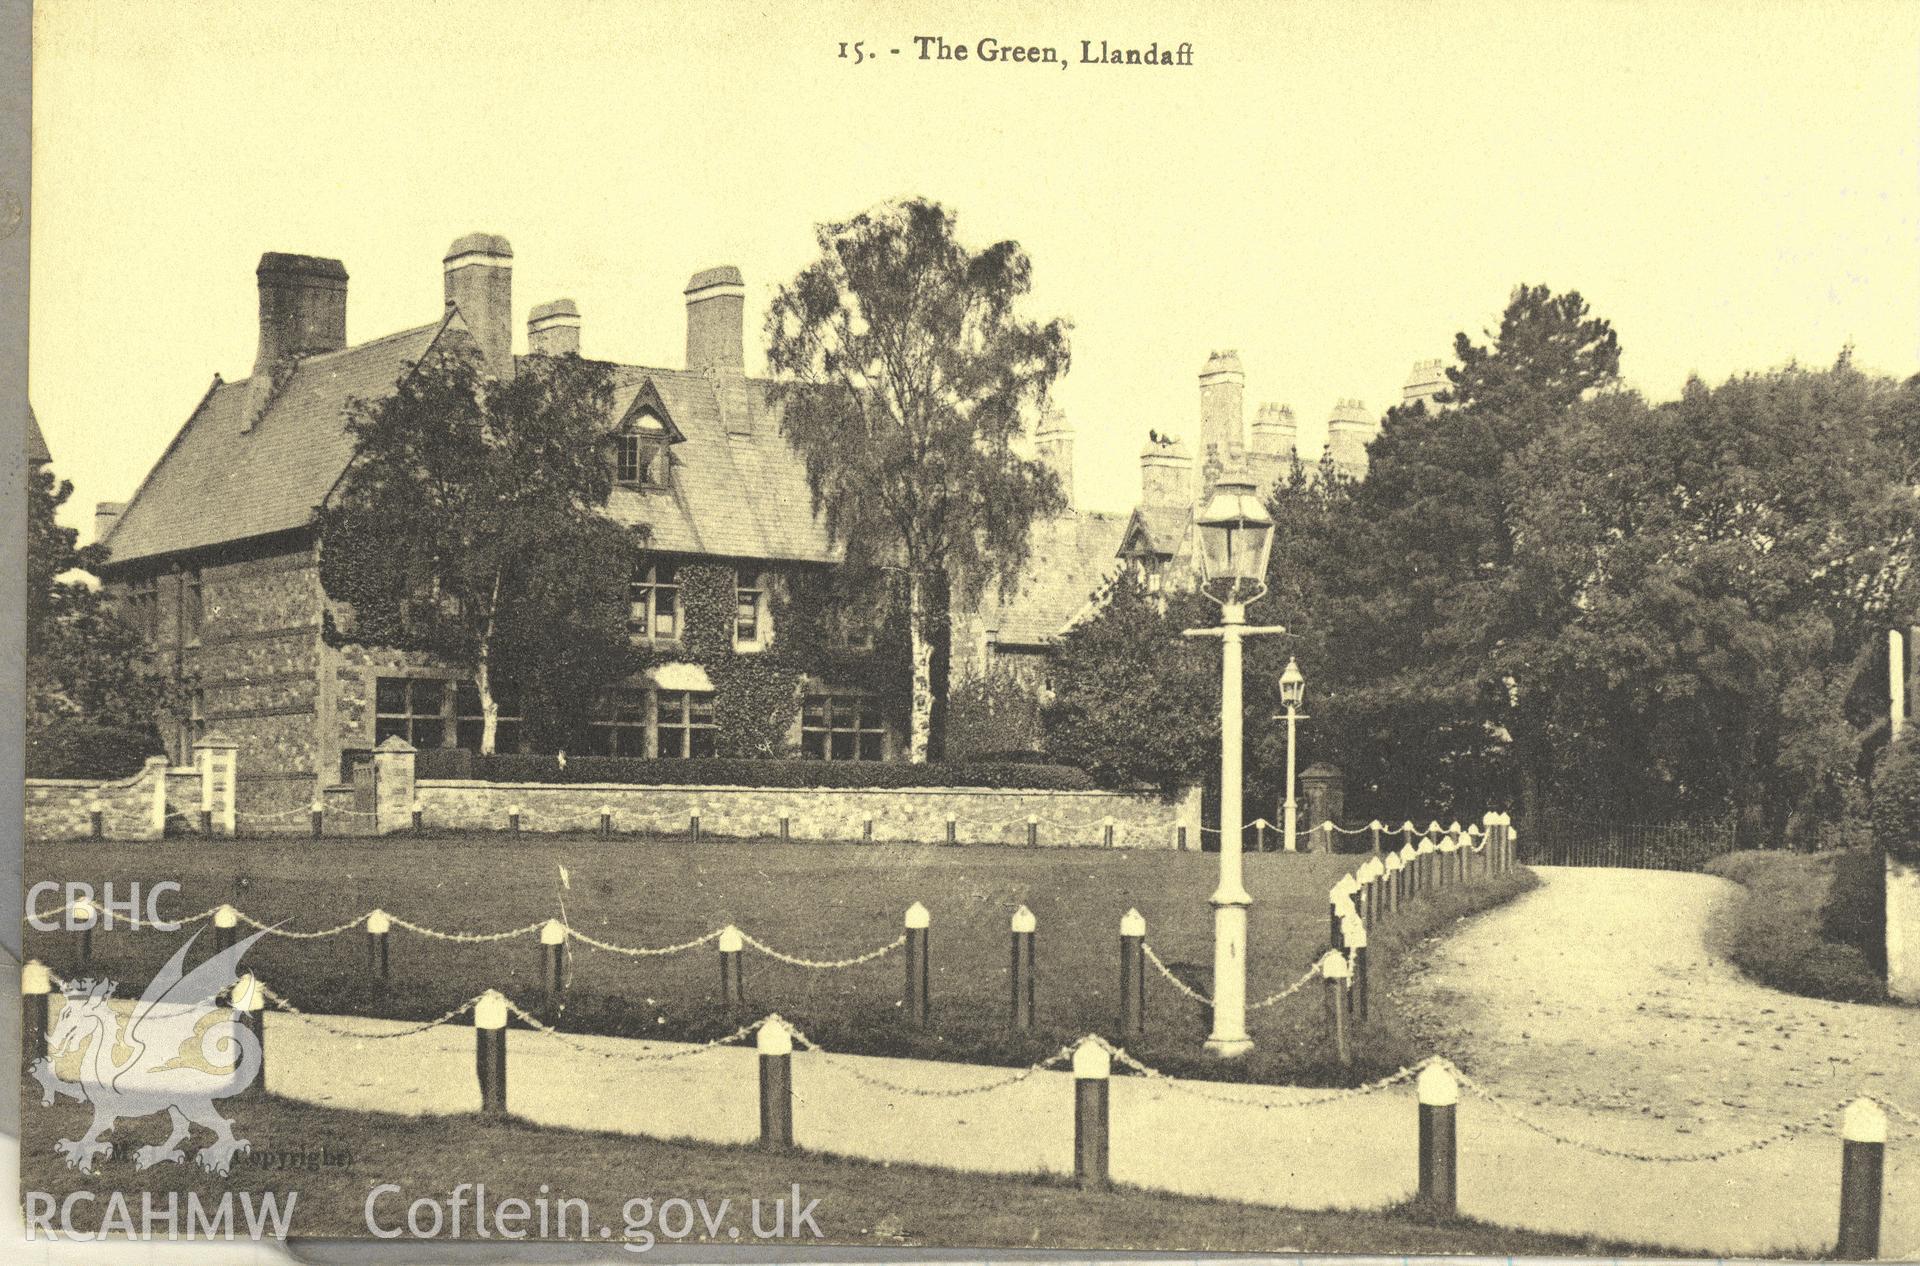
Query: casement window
[[750, 614], [653, 603], [684, 724], [640, 453], [193, 614], [434, 712], [841, 727], [143, 609], [853, 630], [470, 721], [619, 724]]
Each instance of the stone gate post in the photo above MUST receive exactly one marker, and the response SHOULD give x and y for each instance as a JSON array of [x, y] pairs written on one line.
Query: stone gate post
[[1324, 788], [218, 758], [393, 785]]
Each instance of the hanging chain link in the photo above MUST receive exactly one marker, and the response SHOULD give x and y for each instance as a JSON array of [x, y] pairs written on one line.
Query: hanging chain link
[[359, 1035], [643, 951], [855, 961]]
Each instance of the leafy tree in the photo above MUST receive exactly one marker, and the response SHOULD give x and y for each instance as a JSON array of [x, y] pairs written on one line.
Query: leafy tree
[[83, 661], [904, 374], [468, 525], [1426, 546], [1132, 701]]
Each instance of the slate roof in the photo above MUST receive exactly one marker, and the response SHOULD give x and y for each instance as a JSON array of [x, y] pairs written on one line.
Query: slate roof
[[1072, 557], [216, 483], [38, 454], [740, 495], [1157, 529]]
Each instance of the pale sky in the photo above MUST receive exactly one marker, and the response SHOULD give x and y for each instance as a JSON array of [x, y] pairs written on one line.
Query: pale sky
[[1332, 189]]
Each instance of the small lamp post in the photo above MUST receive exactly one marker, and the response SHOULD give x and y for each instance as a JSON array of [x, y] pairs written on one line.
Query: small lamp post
[[1293, 689], [1236, 535]]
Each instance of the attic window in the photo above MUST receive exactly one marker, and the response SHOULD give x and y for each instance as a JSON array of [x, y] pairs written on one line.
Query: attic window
[[641, 453]]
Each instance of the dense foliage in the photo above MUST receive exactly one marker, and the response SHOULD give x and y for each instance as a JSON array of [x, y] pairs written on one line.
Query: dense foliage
[[725, 772], [68, 748], [468, 525], [84, 663], [1896, 800], [1812, 924], [905, 376], [1134, 702]]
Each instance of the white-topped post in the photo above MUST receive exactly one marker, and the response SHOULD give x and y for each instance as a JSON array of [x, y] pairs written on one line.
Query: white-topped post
[[733, 983], [490, 1051], [1439, 1095], [1863, 1134], [774, 1041], [919, 923], [1133, 974], [1025, 930], [1092, 1073]]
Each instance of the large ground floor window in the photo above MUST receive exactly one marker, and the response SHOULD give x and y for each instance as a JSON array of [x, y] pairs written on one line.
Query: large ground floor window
[[437, 712], [842, 727], [636, 721]]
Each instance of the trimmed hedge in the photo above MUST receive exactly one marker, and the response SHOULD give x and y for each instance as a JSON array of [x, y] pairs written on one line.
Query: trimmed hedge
[[726, 772], [1807, 923], [80, 749], [1896, 801]]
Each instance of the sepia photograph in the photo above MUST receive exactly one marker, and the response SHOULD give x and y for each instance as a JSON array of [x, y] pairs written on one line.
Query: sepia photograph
[[740, 632]]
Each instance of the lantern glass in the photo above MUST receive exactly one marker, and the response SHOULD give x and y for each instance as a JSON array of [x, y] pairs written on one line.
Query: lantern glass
[[1293, 687], [1236, 534]]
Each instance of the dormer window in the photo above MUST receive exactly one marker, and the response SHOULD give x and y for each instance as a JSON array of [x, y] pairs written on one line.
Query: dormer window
[[642, 439]]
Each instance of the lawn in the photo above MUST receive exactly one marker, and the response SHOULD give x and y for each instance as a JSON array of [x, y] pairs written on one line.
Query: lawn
[[859, 1203], [1810, 923], [818, 901]]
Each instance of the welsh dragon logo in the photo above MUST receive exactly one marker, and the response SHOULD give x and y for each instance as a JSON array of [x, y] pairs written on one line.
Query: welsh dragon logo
[[172, 1051]]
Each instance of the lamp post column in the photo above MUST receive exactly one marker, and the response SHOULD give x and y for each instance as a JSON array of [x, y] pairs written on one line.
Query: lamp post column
[[1291, 814], [1230, 899]]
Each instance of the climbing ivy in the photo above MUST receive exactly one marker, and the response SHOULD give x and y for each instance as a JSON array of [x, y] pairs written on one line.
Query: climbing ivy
[[757, 694]]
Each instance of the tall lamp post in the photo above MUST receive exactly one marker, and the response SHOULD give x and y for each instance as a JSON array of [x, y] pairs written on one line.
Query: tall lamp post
[[1293, 688], [1236, 534]]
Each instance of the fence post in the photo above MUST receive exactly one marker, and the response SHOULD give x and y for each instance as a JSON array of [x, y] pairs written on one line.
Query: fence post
[[786, 826], [1033, 831], [490, 1051], [96, 820], [1353, 933], [1092, 1073], [36, 984], [733, 984], [1424, 863], [1407, 833], [606, 821], [693, 825], [1259, 835], [1106, 831], [1133, 974], [419, 817], [553, 967], [1024, 934], [918, 972], [1439, 1096], [251, 1001], [226, 922], [84, 917], [1333, 968], [378, 928], [1863, 1133], [952, 832], [1409, 874], [775, 1044], [1395, 869], [866, 829], [318, 812], [513, 818]]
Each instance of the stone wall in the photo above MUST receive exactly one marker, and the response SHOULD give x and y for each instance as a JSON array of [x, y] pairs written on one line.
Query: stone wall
[[61, 808], [914, 814], [1903, 930]]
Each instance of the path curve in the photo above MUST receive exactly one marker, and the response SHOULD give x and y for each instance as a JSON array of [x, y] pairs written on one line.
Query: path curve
[[1602, 989]]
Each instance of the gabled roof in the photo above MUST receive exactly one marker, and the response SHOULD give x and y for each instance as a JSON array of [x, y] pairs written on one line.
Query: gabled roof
[[216, 483], [1155, 530], [38, 454], [1072, 558], [647, 403], [742, 494]]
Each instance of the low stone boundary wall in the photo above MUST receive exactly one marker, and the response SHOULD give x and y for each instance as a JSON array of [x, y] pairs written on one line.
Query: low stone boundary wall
[[130, 808], [898, 814]]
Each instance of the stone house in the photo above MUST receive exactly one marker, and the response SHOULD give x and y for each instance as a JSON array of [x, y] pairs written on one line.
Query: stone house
[[214, 557]]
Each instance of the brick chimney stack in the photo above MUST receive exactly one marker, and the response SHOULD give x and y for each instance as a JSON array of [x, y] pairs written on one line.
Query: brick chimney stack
[[716, 304], [1055, 441], [1349, 431], [479, 282], [553, 329], [303, 312], [1223, 390], [1427, 380], [1166, 473], [1274, 430]]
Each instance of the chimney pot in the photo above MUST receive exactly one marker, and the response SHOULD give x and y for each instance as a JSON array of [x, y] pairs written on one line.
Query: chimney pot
[[303, 312], [1223, 389], [553, 329], [1166, 473], [478, 271]]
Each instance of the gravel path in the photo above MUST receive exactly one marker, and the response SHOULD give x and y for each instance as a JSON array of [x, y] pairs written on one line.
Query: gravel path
[[1601, 989]]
